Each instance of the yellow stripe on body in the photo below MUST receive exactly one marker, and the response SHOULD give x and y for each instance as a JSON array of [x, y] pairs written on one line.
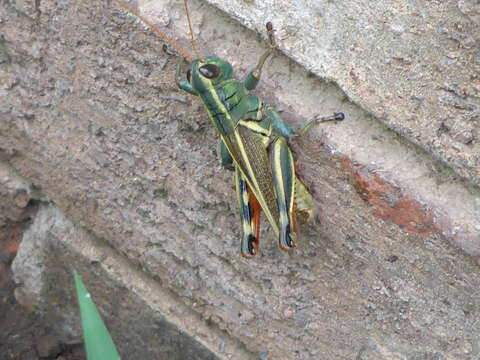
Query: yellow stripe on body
[[249, 172], [255, 126]]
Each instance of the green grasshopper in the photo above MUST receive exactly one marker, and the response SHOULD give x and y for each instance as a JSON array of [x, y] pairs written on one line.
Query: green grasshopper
[[253, 143]]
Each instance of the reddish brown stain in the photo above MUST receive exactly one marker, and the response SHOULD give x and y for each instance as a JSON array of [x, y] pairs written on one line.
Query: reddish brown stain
[[10, 239], [388, 202]]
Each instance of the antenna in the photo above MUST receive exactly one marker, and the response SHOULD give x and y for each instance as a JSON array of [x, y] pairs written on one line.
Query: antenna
[[185, 3], [160, 33]]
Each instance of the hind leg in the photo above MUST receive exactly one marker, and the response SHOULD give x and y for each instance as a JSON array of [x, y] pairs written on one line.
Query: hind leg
[[250, 210], [283, 173], [248, 207]]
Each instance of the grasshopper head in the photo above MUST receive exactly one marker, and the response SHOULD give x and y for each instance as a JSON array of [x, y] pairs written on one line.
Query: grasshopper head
[[209, 72]]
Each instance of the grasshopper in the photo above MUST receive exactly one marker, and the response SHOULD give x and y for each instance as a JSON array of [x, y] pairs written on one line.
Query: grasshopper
[[253, 143]]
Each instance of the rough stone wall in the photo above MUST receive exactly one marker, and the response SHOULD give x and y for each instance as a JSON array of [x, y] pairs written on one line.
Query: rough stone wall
[[90, 115], [17, 206], [415, 65]]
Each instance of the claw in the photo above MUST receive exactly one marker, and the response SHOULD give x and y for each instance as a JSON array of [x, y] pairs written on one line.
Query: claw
[[287, 239], [270, 32], [338, 116], [251, 247], [168, 51]]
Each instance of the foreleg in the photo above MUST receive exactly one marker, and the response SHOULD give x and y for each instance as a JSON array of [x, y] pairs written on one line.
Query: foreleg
[[182, 82], [226, 158]]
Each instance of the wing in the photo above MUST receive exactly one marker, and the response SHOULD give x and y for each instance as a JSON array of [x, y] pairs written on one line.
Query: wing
[[251, 157], [246, 149]]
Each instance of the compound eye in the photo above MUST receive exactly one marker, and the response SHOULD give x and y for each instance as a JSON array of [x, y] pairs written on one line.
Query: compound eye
[[189, 75], [210, 71]]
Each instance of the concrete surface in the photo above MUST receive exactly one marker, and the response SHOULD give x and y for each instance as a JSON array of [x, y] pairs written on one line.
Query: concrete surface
[[146, 321], [91, 116], [413, 65], [16, 194], [362, 139]]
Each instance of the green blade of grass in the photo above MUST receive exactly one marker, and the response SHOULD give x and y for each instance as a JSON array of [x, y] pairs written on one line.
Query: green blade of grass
[[98, 342]]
